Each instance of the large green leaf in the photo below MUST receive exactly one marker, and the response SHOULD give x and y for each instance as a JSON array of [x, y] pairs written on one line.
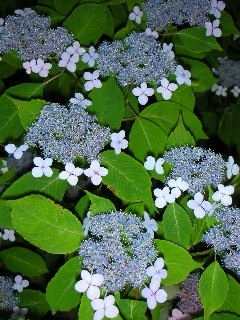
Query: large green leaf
[[29, 110], [213, 288], [51, 187], [177, 260], [26, 91], [201, 75], [183, 95], [108, 104], [127, 178], [231, 302], [85, 311], [180, 136], [99, 204], [24, 261], [48, 226], [61, 294], [195, 40], [132, 309], [87, 22], [146, 138], [227, 24], [35, 301], [5, 215], [177, 226], [10, 125]]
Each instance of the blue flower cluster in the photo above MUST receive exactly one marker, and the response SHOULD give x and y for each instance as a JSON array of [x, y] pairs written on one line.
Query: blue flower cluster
[[119, 248], [31, 37], [199, 167], [136, 59], [63, 133], [225, 237], [8, 298], [161, 13]]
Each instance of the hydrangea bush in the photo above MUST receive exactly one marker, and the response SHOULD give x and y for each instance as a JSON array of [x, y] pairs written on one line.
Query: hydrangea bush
[[119, 168]]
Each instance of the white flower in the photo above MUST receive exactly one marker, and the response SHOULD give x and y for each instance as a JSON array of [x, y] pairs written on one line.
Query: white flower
[[212, 28], [118, 141], [71, 174], [178, 315], [20, 283], [79, 99], [5, 167], [151, 34], [166, 88], [28, 65], [41, 68], [153, 294], [223, 194], [156, 271], [168, 48], [149, 224], [86, 223], [69, 62], [90, 283], [104, 308], [1, 22], [17, 152], [92, 80], [235, 91], [19, 313], [95, 172], [216, 8], [75, 49], [178, 185], [232, 169], [199, 206], [235, 36], [182, 76], [221, 91], [143, 92], [163, 197], [24, 12], [8, 235], [151, 163], [90, 57], [136, 15], [42, 167]]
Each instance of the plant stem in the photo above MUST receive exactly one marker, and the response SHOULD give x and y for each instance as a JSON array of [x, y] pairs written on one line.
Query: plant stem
[[202, 253]]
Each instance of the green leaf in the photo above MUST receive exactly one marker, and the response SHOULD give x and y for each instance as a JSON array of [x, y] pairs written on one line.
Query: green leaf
[[82, 207], [120, 15], [213, 288], [108, 110], [195, 40], [132, 309], [109, 31], [177, 260], [201, 75], [35, 301], [6, 177], [61, 294], [26, 91], [200, 226], [135, 208], [181, 50], [229, 129], [5, 216], [121, 34], [231, 302], [55, 17], [12, 59], [183, 95], [99, 204], [146, 138], [227, 24], [29, 110], [10, 125], [6, 70], [87, 22], [180, 136], [85, 311], [127, 178], [65, 8], [24, 261], [48, 226], [223, 316], [49, 186], [177, 226]]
